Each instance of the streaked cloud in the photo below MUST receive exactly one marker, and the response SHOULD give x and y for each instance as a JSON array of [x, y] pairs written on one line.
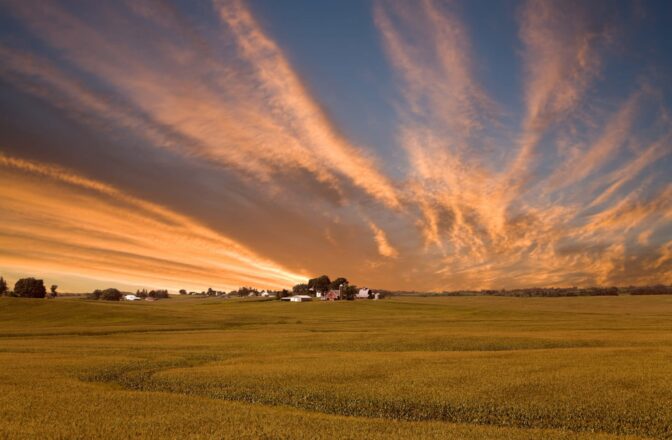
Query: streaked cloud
[[384, 247], [96, 229], [562, 58]]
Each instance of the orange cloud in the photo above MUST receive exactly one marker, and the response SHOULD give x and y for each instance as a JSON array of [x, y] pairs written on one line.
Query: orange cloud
[[384, 247], [71, 224]]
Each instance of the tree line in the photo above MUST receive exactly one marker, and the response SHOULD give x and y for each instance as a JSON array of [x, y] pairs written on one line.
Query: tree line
[[659, 289], [35, 288], [28, 288], [112, 294]]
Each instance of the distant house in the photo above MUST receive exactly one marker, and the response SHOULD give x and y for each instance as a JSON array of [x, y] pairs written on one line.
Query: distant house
[[300, 298], [264, 293], [364, 293], [132, 298]]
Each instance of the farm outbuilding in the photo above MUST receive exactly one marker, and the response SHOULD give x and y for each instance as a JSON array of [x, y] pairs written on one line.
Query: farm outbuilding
[[332, 295], [297, 298], [364, 293], [132, 298]]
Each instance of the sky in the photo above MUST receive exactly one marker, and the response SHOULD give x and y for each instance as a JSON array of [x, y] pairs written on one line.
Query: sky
[[425, 145]]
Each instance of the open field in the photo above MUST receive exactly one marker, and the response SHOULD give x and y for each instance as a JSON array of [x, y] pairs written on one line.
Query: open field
[[474, 367]]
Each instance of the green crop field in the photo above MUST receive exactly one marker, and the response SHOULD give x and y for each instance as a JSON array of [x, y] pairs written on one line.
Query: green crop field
[[471, 367]]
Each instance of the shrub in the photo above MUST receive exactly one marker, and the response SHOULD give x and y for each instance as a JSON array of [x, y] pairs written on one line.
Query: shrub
[[30, 288], [107, 294], [111, 295]]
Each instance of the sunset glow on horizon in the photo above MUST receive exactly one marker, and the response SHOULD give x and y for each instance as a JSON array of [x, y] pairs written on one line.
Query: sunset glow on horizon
[[430, 145]]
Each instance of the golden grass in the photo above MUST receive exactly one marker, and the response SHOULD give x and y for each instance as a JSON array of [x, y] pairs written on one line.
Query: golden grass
[[404, 368]]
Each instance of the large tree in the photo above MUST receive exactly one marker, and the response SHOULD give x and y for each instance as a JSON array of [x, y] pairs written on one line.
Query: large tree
[[30, 288], [336, 284], [300, 289], [319, 284], [3, 286]]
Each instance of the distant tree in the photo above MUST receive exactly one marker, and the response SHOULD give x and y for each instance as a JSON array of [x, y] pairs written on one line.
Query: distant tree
[[53, 290], [142, 293], [3, 286], [300, 289], [246, 291], [107, 294], [282, 293], [30, 288], [183, 292], [334, 285], [319, 284], [158, 294], [110, 295]]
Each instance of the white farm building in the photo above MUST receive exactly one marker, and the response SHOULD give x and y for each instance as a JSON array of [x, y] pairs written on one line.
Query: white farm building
[[298, 298], [364, 293]]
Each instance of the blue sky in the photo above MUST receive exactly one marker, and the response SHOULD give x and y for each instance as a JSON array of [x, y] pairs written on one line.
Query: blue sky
[[429, 145]]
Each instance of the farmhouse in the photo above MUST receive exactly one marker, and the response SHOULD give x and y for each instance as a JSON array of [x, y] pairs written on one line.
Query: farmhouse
[[132, 298], [364, 293]]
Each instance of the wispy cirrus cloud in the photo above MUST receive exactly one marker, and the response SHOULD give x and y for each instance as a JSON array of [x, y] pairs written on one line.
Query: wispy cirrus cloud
[[562, 58], [445, 109], [262, 124], [478, 207]]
